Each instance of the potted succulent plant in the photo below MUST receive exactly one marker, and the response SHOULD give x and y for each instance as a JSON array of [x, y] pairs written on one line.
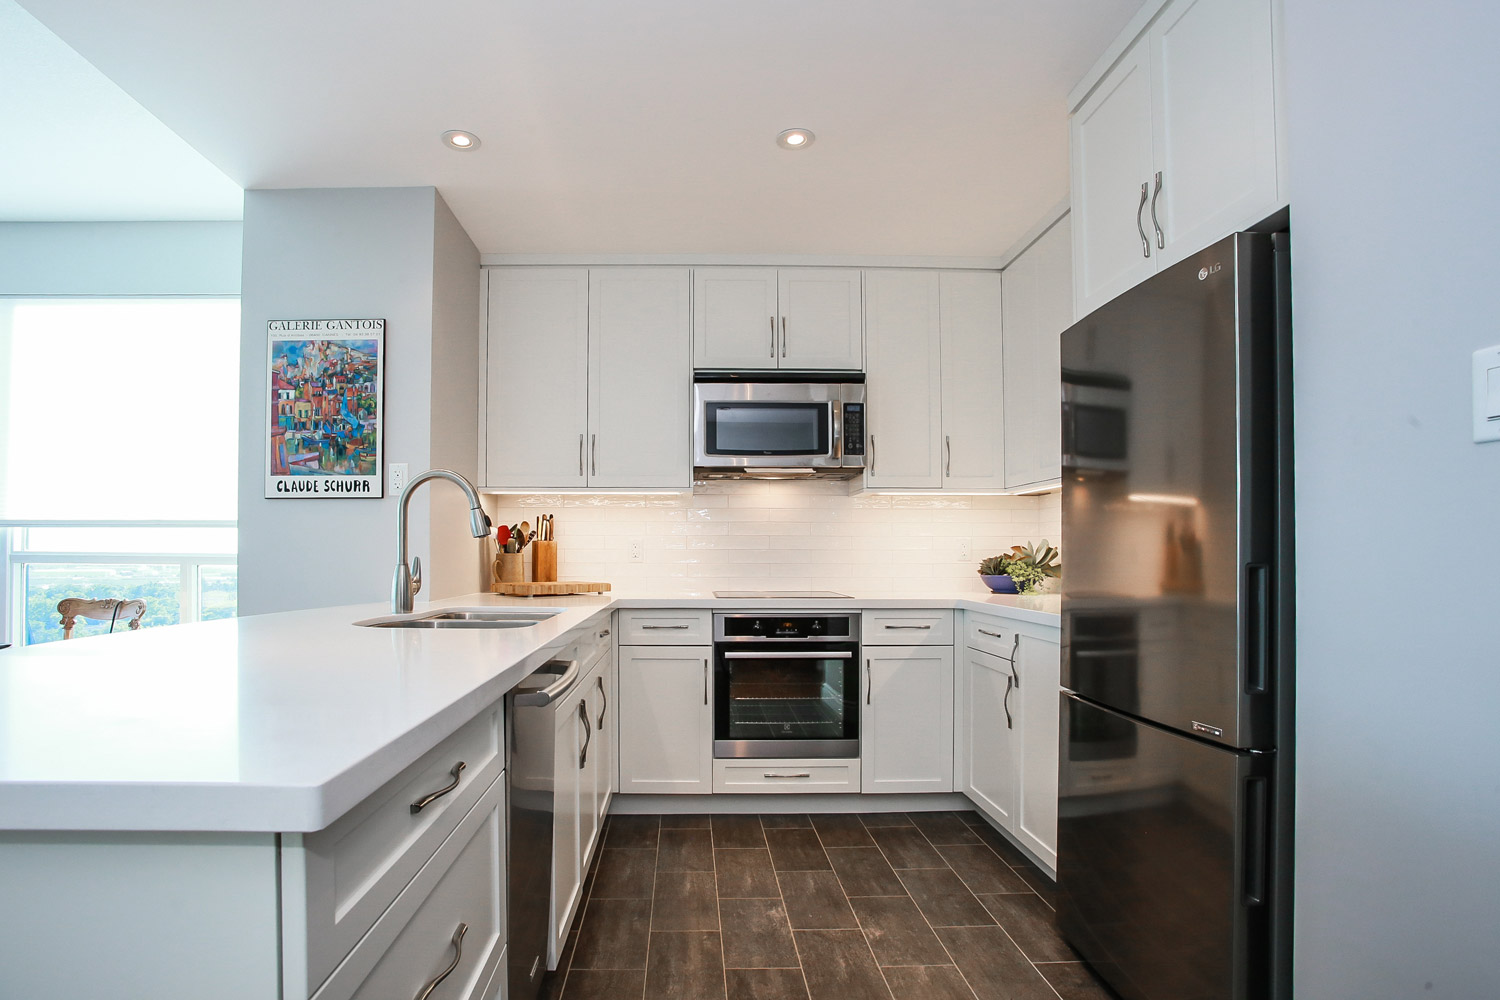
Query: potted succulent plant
[[1020, 570]]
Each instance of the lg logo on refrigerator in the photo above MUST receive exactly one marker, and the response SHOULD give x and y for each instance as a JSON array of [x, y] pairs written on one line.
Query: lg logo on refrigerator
[[1204, 272]]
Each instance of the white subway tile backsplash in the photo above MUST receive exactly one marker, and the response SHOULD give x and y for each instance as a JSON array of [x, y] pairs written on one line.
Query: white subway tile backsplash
[[793, 536]]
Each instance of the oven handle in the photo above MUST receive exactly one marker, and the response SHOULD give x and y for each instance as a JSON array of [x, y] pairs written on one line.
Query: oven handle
[[783, 654]]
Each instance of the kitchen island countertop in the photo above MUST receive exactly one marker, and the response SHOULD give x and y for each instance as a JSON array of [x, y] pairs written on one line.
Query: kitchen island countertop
[[283, 722]]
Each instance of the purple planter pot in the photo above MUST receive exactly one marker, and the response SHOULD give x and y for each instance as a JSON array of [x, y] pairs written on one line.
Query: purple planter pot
[[1001, 584]]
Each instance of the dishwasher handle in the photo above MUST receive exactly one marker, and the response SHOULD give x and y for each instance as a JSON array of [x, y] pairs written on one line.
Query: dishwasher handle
[[556, 689]]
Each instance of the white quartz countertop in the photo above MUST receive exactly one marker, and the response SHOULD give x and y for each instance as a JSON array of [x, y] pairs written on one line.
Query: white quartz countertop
[[283, 722]]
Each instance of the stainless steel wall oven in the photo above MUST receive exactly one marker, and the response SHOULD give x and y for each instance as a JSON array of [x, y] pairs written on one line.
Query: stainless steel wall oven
[[786, 685]]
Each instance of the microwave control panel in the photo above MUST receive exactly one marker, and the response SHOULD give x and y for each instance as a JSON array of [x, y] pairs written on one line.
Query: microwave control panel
[[854, 428]]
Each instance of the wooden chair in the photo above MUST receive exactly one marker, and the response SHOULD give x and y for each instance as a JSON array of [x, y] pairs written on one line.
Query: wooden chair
[[105, 609]]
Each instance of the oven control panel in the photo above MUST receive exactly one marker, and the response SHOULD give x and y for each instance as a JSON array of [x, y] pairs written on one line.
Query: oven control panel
[[750, 627]]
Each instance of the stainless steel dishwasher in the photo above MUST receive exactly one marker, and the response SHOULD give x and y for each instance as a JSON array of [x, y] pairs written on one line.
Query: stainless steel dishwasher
[[529, 786]]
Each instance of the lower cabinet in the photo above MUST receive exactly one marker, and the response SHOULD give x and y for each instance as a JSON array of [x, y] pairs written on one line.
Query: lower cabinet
[[666, 721], [906, 719], [583, 769], [1008, 730]]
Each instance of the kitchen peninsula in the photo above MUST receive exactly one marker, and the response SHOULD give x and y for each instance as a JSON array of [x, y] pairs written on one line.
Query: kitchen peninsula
[[204, 804]]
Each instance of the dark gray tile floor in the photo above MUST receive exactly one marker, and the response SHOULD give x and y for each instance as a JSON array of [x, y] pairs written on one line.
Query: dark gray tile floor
[[889, 906]]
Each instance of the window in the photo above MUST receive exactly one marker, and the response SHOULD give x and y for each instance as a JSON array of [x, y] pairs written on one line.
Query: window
[[119, 428]]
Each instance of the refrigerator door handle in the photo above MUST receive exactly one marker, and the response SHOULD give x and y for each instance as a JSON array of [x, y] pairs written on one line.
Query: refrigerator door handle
[[1258, 613], [1257, 842]]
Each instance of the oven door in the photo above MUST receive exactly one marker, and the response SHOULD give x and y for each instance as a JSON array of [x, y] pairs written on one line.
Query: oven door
[[790, 425], [786, 700]]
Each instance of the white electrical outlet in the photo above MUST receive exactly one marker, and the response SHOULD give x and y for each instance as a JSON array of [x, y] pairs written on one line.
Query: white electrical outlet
[[637, 550], [397, 477], [965, 550]]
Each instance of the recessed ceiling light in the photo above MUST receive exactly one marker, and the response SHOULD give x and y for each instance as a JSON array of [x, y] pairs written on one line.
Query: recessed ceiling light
[[795, 138], [460, 139]]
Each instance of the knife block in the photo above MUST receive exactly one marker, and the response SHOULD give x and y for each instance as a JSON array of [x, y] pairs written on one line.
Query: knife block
[[544, 562]]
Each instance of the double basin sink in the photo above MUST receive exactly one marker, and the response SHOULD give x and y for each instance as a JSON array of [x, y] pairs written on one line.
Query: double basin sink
[[466, 618]]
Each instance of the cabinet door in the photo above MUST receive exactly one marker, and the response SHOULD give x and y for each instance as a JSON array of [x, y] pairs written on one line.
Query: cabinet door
[[906, 725], [1037, 663], [735, 318], [567, 873], [1111, 134], [821, 324], [536, 374], [595, 793], [904, 382], [1038, 308], [666, 725], [1214, 128], [640, 378], [973, 380], [992, 738]]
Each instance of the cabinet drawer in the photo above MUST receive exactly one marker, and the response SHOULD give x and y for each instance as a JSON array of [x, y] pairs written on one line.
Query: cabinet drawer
[[416, 940], [907, 628], [665, 628], [336, 882], [990, 635], [781, 776], [597, 638]]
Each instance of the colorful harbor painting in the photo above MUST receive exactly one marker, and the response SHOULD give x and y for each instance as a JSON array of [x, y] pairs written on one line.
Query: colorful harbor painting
[[326, 382]]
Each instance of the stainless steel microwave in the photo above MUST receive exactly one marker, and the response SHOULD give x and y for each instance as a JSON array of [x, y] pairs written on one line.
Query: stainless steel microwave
[[778, 425]]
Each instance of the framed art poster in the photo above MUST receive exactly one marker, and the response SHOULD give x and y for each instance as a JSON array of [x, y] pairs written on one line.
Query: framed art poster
[[326, 382]]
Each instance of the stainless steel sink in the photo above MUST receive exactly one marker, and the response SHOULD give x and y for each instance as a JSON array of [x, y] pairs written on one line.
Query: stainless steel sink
[[466, 618]]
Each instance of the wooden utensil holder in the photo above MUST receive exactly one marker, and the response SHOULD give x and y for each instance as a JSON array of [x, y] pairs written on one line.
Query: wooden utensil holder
[[543, 562], [510, 567]]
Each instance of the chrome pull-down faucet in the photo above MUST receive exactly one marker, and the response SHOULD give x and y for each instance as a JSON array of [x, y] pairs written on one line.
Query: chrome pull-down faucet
[[408, 581]]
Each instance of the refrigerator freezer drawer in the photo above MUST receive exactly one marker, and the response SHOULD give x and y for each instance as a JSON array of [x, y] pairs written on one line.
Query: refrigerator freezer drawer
[[1163, 869]]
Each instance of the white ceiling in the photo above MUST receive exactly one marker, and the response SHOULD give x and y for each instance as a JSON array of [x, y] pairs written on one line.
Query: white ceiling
[[77, 147], [645, 126]]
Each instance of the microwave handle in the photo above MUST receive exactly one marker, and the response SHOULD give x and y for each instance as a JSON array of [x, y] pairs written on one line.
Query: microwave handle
[[836, 429]]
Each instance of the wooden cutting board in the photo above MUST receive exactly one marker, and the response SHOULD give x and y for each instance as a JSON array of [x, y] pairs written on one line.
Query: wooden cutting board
[[560, 588]]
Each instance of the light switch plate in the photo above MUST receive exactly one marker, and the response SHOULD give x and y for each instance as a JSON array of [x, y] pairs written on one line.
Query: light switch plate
[[1487, 394], [397, 477]]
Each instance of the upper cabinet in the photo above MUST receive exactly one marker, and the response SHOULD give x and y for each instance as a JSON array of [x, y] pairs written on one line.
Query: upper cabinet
[[1038, 308], [934, 380], [588, 379], [1175, 146], [800, 318]]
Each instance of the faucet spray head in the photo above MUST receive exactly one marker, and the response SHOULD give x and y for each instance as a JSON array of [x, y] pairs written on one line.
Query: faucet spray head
[[479, 522]]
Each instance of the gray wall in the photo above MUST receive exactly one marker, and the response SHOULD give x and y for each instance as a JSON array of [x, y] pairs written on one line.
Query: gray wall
[[328, 253], [1394, 146], [119, 258]]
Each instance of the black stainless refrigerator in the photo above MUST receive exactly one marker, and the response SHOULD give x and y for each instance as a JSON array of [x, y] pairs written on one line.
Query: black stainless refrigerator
[[1174, 811]]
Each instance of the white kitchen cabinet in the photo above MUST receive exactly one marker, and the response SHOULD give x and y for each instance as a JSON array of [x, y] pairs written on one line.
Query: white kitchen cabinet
[[821, 319], [906, 722], [1175, 146], [640, 378], [567, 820], [903, 387], [1038, 308], [1112, 168], [1007, 729], [991, 740], [536, 378], [1039, 702], [974, 440], [800, 318], [600, 769], [735, 317], [666, 722]]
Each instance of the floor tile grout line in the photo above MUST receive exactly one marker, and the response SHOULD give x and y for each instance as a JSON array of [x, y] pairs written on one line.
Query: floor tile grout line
[[801, 967], [651, 918], [719, 910]]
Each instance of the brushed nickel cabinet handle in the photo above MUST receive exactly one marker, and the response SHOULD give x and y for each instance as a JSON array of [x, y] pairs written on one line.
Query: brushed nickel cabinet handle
[[1006, 705], [925, 627], [580, 454], [872, 454], [992, 635], [605, 707], [432, 797], [799, 774], [1013, 647], [783, 336], [1145, 243], [705, 682], [664, 626], [593, 454], [773, 336], [868, 683], [458, 954], [604, 633], [1161, 239], [588, 732], [947, 456]]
